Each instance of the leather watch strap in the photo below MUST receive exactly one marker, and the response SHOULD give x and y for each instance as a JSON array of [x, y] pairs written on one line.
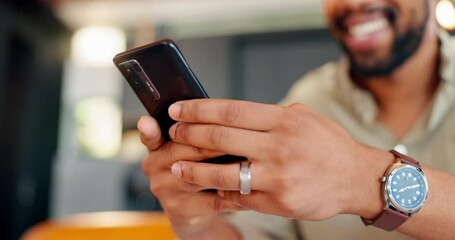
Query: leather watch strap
[[388, 220], [405, 159]]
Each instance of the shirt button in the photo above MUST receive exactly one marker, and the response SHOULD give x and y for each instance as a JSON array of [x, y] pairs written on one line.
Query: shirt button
[[401, 148]]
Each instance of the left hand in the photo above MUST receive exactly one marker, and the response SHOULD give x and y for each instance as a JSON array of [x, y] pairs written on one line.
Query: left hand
[[302, 165]]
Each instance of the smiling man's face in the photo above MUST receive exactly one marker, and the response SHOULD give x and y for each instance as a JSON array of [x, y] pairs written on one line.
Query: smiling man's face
[[377, 35]]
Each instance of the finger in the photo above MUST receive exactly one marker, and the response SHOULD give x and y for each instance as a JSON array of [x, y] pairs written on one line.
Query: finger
[[239, 114], [235, 141], [222, 205], [150, 133], [172, 152], [202, 203], [169, 184], [257, 201], [216, 176]]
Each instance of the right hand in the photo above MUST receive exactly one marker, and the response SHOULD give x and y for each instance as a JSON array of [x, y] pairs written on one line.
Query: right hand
[[189, 208]]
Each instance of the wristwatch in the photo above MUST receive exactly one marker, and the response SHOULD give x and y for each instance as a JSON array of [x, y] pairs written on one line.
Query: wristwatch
[[405, 190]]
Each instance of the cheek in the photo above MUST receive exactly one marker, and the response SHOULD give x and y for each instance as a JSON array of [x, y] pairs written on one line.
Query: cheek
[[413, 14], [329, 7], [406, 19]]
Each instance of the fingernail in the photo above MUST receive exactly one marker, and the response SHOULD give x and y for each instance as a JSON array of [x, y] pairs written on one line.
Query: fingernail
[[220, 193], [177, 169], [146, 129], [174, 110], [172, 130]]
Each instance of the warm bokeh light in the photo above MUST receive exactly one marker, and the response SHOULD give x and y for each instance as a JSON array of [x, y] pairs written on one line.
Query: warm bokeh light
[[96, 46], [132, 148], [99, 127], [445, 14]]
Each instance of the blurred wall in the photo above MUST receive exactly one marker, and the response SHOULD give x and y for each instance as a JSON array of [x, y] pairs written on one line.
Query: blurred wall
[[270, 64], [257, 67], [32, 43]]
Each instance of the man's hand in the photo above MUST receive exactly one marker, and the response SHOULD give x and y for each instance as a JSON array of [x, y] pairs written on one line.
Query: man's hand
[[302, 165], [190, 209]]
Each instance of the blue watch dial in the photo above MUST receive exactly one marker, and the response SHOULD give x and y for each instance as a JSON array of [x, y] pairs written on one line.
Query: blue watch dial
[[407, 188]]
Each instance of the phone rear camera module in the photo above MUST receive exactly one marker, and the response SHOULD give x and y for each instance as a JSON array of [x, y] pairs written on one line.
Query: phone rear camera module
[[139, 80]]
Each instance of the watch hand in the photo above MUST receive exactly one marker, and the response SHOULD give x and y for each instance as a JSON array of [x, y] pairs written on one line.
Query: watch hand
[[406, 183], [413, 186]]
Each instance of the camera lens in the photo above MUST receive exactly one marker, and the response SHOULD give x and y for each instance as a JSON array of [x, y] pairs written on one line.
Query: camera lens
[[128, 71]]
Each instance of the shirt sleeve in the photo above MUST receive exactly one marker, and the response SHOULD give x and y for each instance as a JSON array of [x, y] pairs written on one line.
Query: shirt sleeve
[[256, 226]]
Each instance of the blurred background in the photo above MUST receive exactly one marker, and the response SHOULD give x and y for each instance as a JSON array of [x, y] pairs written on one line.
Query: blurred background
[[68, 134]]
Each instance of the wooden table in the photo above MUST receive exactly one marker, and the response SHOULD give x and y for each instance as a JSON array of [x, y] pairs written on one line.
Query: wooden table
[[103, 226]]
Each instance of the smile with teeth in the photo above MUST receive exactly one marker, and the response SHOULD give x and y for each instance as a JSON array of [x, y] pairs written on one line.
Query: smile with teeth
[[363, 30]]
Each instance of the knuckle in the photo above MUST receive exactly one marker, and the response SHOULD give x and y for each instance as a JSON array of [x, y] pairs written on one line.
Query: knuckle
[[297, 106], [218, 136], [181, 132], [188, 173], [238, 199], [193, 111], [199, 151], [169, 153], [231, 113], [242, 201], [284, 153], [294, 105], [216, 204], [290, 122], [191, 187], [220, 179]]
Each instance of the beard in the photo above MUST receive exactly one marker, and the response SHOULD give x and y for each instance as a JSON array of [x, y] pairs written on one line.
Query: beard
[[403, 47]]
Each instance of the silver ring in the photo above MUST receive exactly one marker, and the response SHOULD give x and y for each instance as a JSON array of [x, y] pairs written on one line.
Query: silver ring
[[245, 178]]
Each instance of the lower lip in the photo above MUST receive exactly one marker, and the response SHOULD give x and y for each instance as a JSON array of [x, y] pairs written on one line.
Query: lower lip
[[368, 42]]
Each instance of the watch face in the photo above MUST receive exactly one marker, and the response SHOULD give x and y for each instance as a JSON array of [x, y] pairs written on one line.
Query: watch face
[[407, 188]]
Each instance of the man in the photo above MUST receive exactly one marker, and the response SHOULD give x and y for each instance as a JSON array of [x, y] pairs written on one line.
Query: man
[[395, 89]]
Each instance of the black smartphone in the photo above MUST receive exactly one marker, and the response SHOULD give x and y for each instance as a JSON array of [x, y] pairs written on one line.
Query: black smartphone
[[160, 76]]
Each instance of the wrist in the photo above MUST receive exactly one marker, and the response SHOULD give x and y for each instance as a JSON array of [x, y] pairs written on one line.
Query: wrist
[[366, 190]]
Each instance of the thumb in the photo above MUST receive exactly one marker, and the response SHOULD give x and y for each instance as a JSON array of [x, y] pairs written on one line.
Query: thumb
[[150, 133]]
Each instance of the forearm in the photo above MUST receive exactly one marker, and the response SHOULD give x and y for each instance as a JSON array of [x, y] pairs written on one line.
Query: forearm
[[437, 218], [219, 228]]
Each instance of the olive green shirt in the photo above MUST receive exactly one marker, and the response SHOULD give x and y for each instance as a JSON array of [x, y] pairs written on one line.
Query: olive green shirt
[[330, 91]]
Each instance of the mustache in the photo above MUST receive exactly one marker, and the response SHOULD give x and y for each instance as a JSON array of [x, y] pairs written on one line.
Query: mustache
[[389, 12]]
